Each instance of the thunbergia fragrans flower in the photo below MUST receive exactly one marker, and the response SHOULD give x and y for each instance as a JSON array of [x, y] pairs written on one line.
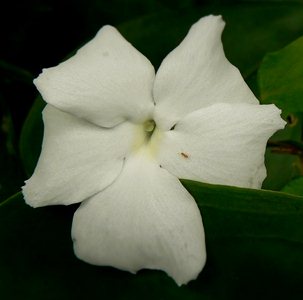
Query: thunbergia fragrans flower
[[118, 136]]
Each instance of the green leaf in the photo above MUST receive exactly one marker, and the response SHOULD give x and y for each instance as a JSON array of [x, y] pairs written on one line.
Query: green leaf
[[294, 187], [254, 242], [254, 29], [280, 77], [31, 137]]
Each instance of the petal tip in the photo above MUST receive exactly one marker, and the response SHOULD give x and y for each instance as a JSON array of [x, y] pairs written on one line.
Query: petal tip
[[38, 81], [28, 198], [108, 28], [194, 265], [184, 280], [280, 122], [212, 20]]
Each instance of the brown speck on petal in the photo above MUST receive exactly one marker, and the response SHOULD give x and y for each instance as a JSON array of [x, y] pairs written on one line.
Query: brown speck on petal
[[185, 155]]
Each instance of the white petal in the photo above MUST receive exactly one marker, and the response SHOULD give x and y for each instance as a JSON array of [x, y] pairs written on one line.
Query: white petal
[[106, 82], [221, 144], [197, 74], [78, 159], [145, 219]]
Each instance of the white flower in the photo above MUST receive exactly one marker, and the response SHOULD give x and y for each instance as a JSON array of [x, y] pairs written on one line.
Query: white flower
[[117, 137]]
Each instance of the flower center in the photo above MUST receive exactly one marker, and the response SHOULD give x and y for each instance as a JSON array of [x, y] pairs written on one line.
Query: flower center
[[147, 137], [149, 127]]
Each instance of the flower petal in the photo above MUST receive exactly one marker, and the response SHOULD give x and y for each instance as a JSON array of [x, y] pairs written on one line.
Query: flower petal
[[197, 74], [78, 159], [106, 82], [145, 219], [221, 144]]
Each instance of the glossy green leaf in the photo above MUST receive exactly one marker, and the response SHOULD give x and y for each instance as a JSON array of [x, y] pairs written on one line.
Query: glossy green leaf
[[294, 187], [254, 243], [281, 77]]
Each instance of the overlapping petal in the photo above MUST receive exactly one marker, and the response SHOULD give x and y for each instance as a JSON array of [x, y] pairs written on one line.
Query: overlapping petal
[[221, 144], [197, 74], [145, 219], [78, 159], [106, 82]]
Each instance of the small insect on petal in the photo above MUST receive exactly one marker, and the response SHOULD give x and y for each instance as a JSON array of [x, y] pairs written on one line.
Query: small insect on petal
[[185, 155]]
